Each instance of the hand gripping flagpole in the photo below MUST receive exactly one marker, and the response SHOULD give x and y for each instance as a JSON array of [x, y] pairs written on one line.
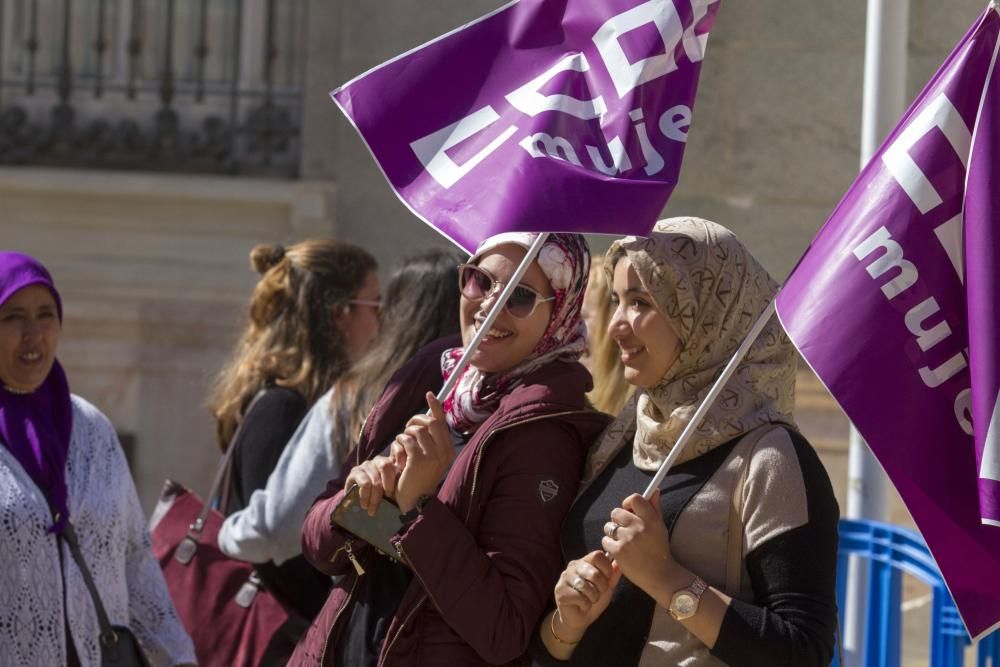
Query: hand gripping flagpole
[[713, 393], [492, 316]]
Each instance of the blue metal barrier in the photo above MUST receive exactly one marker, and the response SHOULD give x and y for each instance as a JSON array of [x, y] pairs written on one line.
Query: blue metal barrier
[[889, 552], [989, 651]]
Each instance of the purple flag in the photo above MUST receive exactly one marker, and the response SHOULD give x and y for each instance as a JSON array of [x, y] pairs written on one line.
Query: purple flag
[[545, 116], [982, 271], [885, 309]]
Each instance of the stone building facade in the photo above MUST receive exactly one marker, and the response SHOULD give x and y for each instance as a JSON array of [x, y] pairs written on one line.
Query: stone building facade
[[150, 249]]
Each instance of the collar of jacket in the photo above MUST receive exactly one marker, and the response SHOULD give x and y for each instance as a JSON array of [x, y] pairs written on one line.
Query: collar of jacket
[[556, 387]]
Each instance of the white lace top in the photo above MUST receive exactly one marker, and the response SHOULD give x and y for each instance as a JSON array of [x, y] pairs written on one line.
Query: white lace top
[[111, 528]]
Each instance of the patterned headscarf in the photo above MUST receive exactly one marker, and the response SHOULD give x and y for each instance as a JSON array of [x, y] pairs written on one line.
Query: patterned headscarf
[[565, 261], [36, 427], [712, 291]]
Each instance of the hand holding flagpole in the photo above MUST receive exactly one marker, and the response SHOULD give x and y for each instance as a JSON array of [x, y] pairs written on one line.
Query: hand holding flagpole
[[491, 317]]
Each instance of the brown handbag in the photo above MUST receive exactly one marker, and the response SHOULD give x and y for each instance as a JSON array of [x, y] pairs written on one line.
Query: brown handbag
[[233, 619]]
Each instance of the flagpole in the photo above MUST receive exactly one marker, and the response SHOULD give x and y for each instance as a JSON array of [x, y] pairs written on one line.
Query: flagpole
[[713, 393], [887, 31], [883, 104], [494, 313]]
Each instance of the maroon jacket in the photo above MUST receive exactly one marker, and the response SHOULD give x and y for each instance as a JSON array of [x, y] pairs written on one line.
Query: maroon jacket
[[485, 551]]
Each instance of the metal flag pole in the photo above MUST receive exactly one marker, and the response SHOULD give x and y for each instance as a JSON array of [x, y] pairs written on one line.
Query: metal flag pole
[[494, 313], [713, 393], [884, 95], [886, 36]]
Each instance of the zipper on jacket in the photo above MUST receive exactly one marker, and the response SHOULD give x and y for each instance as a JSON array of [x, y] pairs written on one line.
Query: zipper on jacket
[[361, 435], [388, 647], [333, 625], [349, 548], [406, 561]]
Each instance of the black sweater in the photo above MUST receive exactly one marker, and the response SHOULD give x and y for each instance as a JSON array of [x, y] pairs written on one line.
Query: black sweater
[[269, 426]]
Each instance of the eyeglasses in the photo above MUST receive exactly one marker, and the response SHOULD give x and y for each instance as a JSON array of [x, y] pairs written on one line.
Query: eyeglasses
[[377, 305], [476, 284]]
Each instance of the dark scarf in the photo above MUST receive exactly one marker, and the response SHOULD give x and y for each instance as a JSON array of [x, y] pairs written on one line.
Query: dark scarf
[[36, 427]]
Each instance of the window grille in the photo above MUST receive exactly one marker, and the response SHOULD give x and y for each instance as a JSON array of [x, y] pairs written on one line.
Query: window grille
[[174, 85]]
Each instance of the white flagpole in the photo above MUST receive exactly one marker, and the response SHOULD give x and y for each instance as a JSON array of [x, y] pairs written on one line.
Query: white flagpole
[[886, 37], [713, 393], [495, 311]]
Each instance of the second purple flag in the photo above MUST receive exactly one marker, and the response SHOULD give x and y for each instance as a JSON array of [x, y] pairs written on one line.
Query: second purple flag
[[546, 115], [894, 306]]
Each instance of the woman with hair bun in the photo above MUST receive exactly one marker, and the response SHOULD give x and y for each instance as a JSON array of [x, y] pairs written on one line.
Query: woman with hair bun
[[313, 313], [420, 305]]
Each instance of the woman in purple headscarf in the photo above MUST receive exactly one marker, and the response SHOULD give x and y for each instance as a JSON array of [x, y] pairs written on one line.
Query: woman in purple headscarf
[[61, 465]]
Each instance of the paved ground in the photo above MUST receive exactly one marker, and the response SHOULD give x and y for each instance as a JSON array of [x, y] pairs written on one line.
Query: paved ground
[[826, 427]]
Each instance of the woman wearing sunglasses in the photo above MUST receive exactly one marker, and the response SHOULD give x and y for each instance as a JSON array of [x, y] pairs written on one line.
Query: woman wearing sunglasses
[[482, 483]]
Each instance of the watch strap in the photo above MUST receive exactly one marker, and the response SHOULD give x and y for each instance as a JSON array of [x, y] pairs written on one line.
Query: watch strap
[[695, 589], [410, 516]]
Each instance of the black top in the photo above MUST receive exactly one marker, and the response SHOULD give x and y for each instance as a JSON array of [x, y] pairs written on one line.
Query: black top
[[378, 595], [269, 426], [619, 636], [792, 618]]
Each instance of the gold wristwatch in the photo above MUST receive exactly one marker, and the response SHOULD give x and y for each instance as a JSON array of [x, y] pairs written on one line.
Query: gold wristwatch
[[684, 603]]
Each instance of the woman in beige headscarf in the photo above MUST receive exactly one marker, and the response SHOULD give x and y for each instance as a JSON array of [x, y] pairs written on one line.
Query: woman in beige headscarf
[[733, 561]]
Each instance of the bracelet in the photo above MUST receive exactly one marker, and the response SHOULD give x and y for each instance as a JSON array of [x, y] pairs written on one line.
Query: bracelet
[[552, 629], [406, 518]]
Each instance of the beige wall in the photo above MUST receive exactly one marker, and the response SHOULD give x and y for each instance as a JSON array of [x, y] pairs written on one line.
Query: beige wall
[[155, 277], [357, 38], [776, 130]]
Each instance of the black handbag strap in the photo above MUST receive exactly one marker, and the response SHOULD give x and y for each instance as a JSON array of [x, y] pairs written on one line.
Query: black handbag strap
[[108, 635], [224, 472], [186, 549]]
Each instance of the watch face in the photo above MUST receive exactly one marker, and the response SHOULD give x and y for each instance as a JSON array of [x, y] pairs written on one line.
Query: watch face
[[684, 604]]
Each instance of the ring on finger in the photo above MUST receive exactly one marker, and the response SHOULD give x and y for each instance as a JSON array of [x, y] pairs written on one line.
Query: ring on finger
[[613, 531], [577, 584]]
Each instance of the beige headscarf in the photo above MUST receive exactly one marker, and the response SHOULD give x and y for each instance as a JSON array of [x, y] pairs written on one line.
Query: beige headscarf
[[712, 290]]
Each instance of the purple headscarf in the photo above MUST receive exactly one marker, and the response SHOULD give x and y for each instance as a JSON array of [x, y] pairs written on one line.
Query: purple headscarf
[[36, 427]]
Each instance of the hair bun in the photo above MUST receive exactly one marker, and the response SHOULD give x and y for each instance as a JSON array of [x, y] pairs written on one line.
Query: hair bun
[[265, 257]]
